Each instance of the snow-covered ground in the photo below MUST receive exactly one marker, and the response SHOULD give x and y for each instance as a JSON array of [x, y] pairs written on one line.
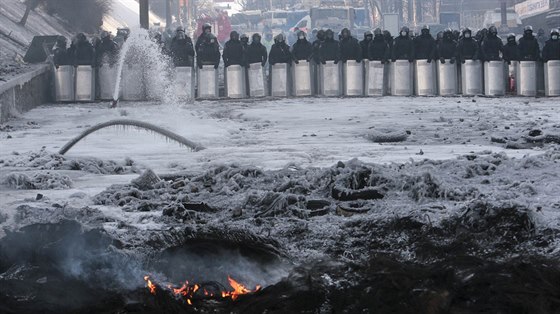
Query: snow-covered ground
[[423, 179]]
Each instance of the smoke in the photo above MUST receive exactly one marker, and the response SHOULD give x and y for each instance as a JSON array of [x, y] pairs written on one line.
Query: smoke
[[83, 16]]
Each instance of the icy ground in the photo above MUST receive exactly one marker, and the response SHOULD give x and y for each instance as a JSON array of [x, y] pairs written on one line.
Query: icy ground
[[424, 180]]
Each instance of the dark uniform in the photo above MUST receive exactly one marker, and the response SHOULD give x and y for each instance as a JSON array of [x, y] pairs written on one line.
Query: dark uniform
[[302, 49], [447, 49], [378, 49], [368, 37], [107, 50], [551, 50], [403, 47], [350, 48], [510, 51], [528, 46], [60, 53], [182, 51], [467, 48], [208, 52], [317, 45], [329, 50], [206, 29], [234, 52], [83, 51], [256, 52], [425, 46], [491, 46], [280, 51]]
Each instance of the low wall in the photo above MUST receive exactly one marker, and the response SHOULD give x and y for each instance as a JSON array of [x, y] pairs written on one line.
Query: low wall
[[25, 92]]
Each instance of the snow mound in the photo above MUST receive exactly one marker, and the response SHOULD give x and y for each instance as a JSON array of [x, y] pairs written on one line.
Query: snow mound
[[387, 137], [44, 160], [38, 181]]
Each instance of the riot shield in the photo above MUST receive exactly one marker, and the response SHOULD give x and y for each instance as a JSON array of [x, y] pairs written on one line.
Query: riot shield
[[184, 82], [329, 79], [280, 80], [85, 83], [302, 74], [472, 78], [107, 79], [257, 86], [353, 78], [133, 83], [208, 82], [375, 78], [424, 78], [401, 78], [527, 78], [235, 81], [447, 78], [64, 83], [494, 78], [552, 78]]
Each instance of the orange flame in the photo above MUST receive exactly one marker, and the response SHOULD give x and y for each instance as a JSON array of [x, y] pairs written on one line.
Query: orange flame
[[188, 291], [151, 286]]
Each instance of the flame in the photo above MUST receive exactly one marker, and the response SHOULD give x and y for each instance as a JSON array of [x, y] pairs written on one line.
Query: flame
[[190, 291], [151, 286]]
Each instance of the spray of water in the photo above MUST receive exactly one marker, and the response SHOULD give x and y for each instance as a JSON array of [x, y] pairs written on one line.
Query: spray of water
[[140, 50]]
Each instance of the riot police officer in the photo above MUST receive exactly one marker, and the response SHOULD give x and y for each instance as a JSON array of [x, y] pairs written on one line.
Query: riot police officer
[[107, 50], [467, 48], [350, 48], [317, 44], [84, 54], [206, 29], [182, 51], [403, 47], [208, 52], [425, 45], [302, 49], [244, 40], [280, 51], [256, 52], [551, 50], [234, 52], [60, 53], [528, 46], [329, 50], [368, 37], [447, 48], [378, 49], [491, 45], [510, 51]]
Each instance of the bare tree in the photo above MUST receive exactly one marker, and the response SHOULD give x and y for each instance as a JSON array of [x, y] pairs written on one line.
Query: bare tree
[[30, 5]]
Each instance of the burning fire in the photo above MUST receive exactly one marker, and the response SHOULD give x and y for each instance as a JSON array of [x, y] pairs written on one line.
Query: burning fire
[[191, 291]]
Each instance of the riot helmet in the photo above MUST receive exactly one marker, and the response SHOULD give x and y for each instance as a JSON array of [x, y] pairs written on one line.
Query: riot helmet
[[404, 31], [233, 35], [368, 35], [256, 38], [329, 34]]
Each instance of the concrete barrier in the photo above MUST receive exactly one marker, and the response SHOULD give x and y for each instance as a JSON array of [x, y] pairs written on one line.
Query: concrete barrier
[[25, 92]]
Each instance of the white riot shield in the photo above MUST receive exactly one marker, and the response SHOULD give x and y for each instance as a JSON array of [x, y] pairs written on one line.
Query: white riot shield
[[302, 74], [208, 82], [447, 78], [235, 81], [494, 78], [85, 83], [552, 78], [107, 80], [279, 80], [472, 78], [257, 87], [132, 83], [64, 83], [353, 78], [184, 82], [375, 78], [424, 78], [329, 79], [540, 78], [527, 78], [401, 78]]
